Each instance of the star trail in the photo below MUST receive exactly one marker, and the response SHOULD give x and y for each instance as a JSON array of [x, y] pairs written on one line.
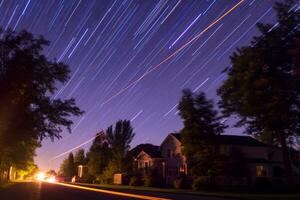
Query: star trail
[[130, 59]]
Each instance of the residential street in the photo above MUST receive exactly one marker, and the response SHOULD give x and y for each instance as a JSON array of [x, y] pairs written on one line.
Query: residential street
[[48, 191]]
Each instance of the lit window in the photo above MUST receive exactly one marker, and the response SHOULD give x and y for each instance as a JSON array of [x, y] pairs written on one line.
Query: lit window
[[182, 168], [260, 170]]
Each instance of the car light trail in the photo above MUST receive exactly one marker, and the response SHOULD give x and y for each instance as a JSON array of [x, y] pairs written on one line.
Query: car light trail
[[138, 196], [175, 53]]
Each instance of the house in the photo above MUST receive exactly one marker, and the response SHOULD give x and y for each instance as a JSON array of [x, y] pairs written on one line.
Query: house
[[172, 153], [167, 159], [259, 159], [148, 156]]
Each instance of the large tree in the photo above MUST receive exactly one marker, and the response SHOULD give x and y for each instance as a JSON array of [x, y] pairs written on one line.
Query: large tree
[[79, 157], [119, 138], [263, 85], [27, 81], [199, 134], [98, 155], [67, 167]]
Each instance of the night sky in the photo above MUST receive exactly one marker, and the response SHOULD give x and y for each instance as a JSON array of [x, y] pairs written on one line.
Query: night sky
[[117, 51]]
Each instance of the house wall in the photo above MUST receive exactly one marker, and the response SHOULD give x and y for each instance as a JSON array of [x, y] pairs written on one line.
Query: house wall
[[271, 155], [267, 153], [175, 162], [144, 160], [156, 164]]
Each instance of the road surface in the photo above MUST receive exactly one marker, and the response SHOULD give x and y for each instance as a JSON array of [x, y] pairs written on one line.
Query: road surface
[[49, 191]]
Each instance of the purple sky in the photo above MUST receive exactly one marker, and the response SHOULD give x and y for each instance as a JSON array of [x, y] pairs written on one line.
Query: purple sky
[[111, 43]]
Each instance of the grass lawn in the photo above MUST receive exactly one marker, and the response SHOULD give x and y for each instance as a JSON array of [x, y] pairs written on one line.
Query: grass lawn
[[5, 184], [246, 196]]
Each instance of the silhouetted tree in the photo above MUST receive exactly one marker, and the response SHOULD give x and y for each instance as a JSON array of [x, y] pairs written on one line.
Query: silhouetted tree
[[98, 155], [119, 138], [80, 158], [71, 166], [263, 85], [63, 168], [67, 167], [199, 134], [27, 112]]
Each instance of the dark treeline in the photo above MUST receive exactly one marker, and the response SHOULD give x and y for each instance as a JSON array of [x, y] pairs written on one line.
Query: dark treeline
[[107, 155]]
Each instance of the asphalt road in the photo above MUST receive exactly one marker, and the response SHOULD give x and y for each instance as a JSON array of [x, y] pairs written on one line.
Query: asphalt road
[[48, 191]]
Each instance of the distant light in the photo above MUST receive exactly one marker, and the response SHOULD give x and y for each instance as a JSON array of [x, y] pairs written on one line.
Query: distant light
[[41, 176], [51, 179]]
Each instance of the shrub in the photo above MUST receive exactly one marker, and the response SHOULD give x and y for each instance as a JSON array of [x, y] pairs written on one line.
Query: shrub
[[148, 180], [135, 181], [180, 183], [262, 184], [152, 178], [108, 173], [202, 183]]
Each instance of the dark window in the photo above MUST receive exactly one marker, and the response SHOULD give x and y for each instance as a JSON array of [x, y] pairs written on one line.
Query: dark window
[[146, 165], [278, 171]]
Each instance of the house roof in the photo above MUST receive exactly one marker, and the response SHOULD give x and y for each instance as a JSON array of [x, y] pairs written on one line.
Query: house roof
[[150, 149], [262, 161], [232, 139], [239, 140], [176, 135]]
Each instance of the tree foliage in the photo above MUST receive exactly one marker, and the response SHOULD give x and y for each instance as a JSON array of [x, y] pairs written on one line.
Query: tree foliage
[[99, 155], [119, 138], [201, 127], [79, 158], [68, 167], [109, 152], [27, 112], [263, 85]]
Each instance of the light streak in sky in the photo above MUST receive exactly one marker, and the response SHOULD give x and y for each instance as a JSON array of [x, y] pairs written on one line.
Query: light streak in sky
[[167, 113], [171, 11], [193, 22], [72, 13], [199, 86], [78, 146], [97, 26], [10, 19], [173, 54], [78, 43], [209, 7], [140, 112]]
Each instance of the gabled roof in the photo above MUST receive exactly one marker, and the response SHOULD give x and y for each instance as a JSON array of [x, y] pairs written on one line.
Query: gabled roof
[[177, 136], [150, 149]]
